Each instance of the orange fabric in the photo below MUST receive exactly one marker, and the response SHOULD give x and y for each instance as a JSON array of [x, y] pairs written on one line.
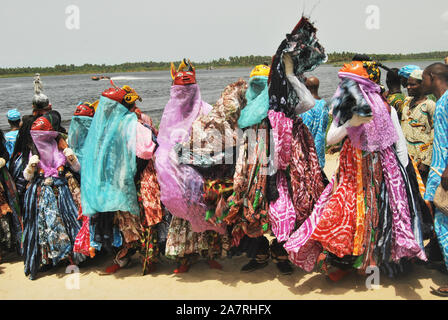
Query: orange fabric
[[360, 207], [355, 67]]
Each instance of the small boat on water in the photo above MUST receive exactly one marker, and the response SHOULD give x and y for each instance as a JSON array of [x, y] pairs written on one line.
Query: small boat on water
[[96, 78]]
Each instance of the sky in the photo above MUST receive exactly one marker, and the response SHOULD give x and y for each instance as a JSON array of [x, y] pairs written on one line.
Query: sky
[[42, 33]]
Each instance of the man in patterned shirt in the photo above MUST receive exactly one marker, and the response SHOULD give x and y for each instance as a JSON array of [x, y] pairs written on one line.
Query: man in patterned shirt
[[435, 81], [417, 123], [394, 95]]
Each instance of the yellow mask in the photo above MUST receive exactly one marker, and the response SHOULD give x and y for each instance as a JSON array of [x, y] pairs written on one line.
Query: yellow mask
[[260, 70]]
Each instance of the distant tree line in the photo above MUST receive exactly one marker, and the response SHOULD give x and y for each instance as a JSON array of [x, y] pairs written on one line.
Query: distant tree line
[[242, 61]]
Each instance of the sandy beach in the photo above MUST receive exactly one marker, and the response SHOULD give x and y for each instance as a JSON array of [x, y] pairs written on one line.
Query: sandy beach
[[201, 282]]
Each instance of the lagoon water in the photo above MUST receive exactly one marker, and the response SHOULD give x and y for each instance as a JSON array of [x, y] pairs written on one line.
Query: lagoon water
[[65, 92]]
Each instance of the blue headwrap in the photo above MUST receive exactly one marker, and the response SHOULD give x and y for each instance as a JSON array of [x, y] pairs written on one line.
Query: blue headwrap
[[13, 115], [407, 70]]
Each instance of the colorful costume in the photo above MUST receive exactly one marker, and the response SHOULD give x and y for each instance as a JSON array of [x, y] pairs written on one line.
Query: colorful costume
[[50, 224], [181, 186], [370, 213], [115, 142], [295, 153], [191, 185]]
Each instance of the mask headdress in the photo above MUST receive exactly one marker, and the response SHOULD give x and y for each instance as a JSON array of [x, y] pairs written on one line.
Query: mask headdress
[[260, 70], [51, 121], [86, 109], [126, 95], [185, 74], [306, 53], [365, 67], [41, 103]]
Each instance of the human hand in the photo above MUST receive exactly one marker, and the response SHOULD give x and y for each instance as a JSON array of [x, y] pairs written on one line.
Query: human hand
[[69, 154], [34, 160]]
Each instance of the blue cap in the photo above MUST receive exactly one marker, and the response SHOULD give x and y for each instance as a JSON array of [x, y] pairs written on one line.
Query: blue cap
[[407, 70], [13, 115]]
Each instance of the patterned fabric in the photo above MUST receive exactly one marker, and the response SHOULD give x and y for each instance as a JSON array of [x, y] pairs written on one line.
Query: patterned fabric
[[50, 225], [440, 146], [306, 175], [54, 241], [307, 256], [5, 233], [181, 186], [4, 206], [396, 100], [316, 120], [307, 54], [350, 219], [372, 179], [337, 223], [418, 129], [183, 241], [149, 247], [303, 234], [11, 138], [13, 199], [129, 226], [215, 131], [282, 135], [360, 219], [373, 71], [404, 244], [149, 196], [379, 133], [282, 214], [74, 188], [249, 209], [441, 229], [16, 169], [82, 241]]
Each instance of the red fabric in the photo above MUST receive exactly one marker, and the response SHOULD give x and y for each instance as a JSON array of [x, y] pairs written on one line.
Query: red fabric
[[43, 124], [82, 241], [337, 225], [150, 195]]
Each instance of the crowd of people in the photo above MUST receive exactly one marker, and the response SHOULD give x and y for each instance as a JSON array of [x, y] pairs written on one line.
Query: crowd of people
[[244, 176]]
